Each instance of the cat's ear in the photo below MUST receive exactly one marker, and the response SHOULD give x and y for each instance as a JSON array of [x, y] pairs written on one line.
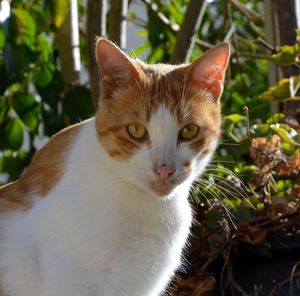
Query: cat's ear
[[208, 72], [115, 68]]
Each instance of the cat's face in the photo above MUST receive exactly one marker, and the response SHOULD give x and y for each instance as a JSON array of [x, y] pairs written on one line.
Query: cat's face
[[159, 124]]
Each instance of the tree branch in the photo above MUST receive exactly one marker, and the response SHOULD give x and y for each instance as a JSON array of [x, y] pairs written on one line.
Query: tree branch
[[118, 22], [186, 36], [160, 16], [96, 26], [68, 43]]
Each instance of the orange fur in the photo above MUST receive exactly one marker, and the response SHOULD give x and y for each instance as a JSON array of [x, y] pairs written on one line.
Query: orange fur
[[155, 86], [44, 172]]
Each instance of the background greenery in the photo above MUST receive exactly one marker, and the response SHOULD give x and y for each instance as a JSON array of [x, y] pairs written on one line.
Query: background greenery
[[251, 188]]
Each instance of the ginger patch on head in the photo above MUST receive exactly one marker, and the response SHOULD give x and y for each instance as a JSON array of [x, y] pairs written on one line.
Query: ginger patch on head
[[133, 91]]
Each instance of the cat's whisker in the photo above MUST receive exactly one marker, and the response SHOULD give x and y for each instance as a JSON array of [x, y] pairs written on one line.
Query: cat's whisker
[[220, 202], [239, 191], [228, 172]]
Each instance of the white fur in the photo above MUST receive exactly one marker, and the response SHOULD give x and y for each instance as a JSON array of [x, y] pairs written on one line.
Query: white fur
[[101, 231]]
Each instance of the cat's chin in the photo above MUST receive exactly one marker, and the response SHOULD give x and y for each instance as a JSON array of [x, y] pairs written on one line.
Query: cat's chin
[[162, 189]]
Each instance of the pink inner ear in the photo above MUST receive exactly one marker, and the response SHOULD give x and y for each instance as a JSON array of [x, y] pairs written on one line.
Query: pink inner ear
[[208, 71], [113, 63]]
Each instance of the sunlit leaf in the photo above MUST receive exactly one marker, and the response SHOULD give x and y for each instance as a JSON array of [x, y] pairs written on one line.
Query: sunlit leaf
[[60, 10], [26, 26], [2, 38], [276, 118], [281, 91], [283, 133], [287, 54], [43, 76], [12, 134], [235, 118]]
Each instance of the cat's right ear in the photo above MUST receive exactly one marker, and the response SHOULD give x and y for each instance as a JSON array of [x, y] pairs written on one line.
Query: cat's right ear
[[115, 68]]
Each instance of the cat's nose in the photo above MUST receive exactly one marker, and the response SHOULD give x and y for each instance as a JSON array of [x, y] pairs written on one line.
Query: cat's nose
[[164, 171]]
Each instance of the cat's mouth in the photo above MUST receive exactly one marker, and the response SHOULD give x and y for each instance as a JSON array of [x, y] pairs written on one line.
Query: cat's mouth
[[162, 189], [165, 187]]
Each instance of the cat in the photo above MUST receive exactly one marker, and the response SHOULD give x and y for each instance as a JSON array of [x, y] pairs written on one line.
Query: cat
[[103, 208]]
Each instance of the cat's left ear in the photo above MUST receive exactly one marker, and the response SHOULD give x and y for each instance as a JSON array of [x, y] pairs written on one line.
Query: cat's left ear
[[208, 72], [115, 67]]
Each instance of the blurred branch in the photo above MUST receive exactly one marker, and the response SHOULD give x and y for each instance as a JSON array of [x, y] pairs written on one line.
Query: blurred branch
[[186, 36], [255, 56], [203, 44], [68, 43], [247, 12], [118, 22], [160, 16], [96, 26], [266, 44]]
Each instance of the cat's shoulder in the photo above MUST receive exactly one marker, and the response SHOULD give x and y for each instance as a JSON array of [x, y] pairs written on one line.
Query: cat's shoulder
[[44, 172]]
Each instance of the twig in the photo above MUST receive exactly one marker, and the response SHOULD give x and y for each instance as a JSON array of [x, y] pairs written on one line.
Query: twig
[[203, 44], [206, 264], [233, 282], [230, 32], [266, 44], [248, 13], [186, 36], [293, 272], [223, 269], [278, 285], [118, 22], [255, 56], [174, 28], [246, 110]]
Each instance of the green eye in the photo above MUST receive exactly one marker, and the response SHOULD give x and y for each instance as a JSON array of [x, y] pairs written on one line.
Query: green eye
[[137, 131], [188, 132]]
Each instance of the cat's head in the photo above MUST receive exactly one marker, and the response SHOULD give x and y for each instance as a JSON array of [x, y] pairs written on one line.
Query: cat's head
[[159, 124]]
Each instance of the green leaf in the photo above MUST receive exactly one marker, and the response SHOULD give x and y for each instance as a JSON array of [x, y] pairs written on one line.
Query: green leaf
[[44, 48], [212, 218], [12, 163], [43, 76], [235, 118], [276, 118], [283, 133], [281, 91], [12, 134], [3, 108], [60, 10], [26, 26], [2, 38], [287, 54], [11, 62], [77, 104], [242, 214], [27, 108]]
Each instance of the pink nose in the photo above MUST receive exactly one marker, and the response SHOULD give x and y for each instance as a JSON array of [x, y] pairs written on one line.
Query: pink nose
[[164, 171]]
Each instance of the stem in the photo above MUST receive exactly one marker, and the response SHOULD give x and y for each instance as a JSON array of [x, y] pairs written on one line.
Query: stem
[[96, 26], [118, 22], [246, 110], [186, 36]]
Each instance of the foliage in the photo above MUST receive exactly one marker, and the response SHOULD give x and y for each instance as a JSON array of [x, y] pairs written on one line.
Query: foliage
[[250, 191], [35, 102]]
